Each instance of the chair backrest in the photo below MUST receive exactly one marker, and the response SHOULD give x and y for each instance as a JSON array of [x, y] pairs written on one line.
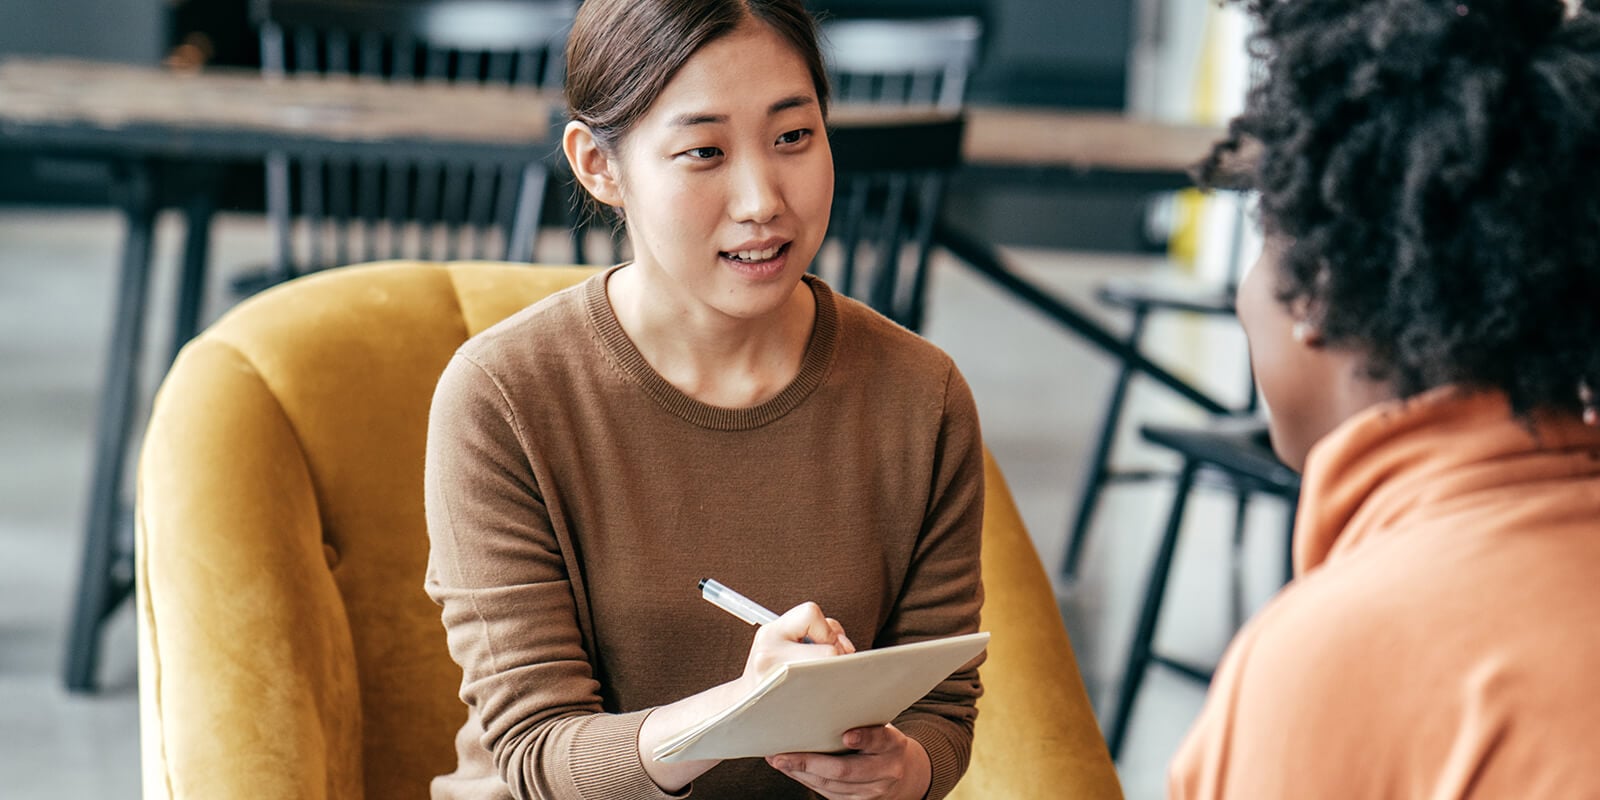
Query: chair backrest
[[902, 61], [286, 645], [326, 212], [889, 185], [477, 41], [890, 180]]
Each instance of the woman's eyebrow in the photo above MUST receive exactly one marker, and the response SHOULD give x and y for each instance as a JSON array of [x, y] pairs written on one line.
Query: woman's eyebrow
[[691, 119], [797, 101]]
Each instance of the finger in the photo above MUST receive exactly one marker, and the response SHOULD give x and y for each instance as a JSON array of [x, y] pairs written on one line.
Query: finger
[[785, 652], [804, 621], [875, 739], [839, 639], [819, 767], [835, 790], [843, 775]]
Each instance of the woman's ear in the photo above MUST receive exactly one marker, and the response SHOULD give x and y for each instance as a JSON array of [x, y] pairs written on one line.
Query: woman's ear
[[593, 168]]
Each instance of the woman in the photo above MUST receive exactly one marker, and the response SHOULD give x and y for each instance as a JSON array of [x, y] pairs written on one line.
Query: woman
[[707, 410], [1425, 326]]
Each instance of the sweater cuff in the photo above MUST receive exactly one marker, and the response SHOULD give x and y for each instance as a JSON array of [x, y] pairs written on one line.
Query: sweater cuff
[[611, 767], [947, 759]]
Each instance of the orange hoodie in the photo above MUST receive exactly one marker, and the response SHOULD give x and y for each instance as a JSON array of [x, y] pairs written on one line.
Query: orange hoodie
[[1442, 638]]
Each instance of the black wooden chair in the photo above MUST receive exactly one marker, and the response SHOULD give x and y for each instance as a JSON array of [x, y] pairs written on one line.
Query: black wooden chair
[[1142, 298], [1237, 452], [326, 212], [890, 179], [902, 61], [889, 187]]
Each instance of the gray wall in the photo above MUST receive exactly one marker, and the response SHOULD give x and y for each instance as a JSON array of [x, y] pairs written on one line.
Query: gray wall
[[1065, 31], [117, 30], [1057, 52]]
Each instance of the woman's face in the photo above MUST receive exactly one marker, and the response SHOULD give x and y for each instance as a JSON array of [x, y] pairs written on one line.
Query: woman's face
[[727, 181], [1293, 376]]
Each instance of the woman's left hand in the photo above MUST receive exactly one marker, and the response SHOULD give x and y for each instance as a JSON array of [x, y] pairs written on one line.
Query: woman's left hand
[[886, 764]]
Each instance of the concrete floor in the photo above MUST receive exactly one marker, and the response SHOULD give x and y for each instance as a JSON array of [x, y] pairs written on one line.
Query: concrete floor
[[1039, 392]]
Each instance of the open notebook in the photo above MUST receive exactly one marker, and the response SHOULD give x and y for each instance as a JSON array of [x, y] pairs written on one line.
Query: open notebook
[[806, 706]]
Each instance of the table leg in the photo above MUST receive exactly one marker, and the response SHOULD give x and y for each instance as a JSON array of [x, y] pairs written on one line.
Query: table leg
[[982, 257], [199, 205], [100, 588]]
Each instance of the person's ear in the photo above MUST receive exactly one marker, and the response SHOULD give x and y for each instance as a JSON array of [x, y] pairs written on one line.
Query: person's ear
[[593, 168], [1306, 330], [1307, 333]]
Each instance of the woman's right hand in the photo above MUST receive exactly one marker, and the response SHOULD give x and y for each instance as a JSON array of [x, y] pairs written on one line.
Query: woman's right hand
[[778, 642], [801, 634]]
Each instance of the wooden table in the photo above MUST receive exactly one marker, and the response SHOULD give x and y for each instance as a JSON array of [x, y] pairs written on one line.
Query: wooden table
[[1054, 145], [234, 113], [159, 129]]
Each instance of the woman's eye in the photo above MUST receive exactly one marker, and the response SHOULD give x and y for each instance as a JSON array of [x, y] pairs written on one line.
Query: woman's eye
[[794, 136], [703, 153]]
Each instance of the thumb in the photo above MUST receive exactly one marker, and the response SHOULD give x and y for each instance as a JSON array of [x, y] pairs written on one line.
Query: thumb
[[874, 739]]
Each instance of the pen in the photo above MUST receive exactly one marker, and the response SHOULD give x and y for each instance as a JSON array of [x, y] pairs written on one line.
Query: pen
[[734, 603]]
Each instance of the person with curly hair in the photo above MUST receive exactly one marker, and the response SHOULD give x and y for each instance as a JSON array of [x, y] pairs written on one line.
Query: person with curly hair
[[1424, 323]]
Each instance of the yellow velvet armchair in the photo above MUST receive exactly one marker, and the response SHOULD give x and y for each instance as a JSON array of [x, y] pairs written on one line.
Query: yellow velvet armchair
[[286, 647]]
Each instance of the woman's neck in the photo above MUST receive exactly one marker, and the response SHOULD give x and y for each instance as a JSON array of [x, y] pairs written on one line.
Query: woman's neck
[[714, 358]]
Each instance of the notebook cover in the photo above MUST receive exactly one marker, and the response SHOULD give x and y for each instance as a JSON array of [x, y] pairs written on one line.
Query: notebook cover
[[806, 706]]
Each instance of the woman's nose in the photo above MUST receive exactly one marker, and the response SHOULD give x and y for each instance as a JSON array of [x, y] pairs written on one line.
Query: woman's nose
[[756, 195]]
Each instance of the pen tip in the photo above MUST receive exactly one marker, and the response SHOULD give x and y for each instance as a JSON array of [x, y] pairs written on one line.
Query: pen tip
[[702, 583]]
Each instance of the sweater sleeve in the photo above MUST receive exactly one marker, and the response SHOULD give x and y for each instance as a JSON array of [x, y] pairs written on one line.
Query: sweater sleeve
[[498, 570], [943, 593]]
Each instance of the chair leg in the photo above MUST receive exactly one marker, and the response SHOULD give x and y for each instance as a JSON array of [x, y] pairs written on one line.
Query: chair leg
[[198, 210], [580, 220], [580, 249], [1288, 540], [1155, 589], [99, 590], [1095, 475], [524, 230], [1236, 602]]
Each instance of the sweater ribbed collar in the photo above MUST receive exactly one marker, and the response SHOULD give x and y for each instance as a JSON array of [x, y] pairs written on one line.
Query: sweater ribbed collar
[[820, 349], [1402, 458]]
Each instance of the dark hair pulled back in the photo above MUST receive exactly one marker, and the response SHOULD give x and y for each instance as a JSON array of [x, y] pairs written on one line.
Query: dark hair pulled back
[[622, 53]]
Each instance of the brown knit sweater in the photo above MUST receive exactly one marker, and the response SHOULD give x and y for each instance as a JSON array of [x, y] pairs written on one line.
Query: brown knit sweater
[[575, 497]]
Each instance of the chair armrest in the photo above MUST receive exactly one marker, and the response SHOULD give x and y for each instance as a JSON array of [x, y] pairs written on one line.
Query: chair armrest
[[1036, 733], [246, 669]]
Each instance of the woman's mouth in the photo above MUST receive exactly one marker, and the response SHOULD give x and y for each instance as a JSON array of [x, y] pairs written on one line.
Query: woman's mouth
[[755, 256], [758, 263]]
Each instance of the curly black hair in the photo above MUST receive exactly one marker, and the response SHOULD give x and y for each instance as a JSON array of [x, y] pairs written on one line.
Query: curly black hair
[[1435, 167]]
